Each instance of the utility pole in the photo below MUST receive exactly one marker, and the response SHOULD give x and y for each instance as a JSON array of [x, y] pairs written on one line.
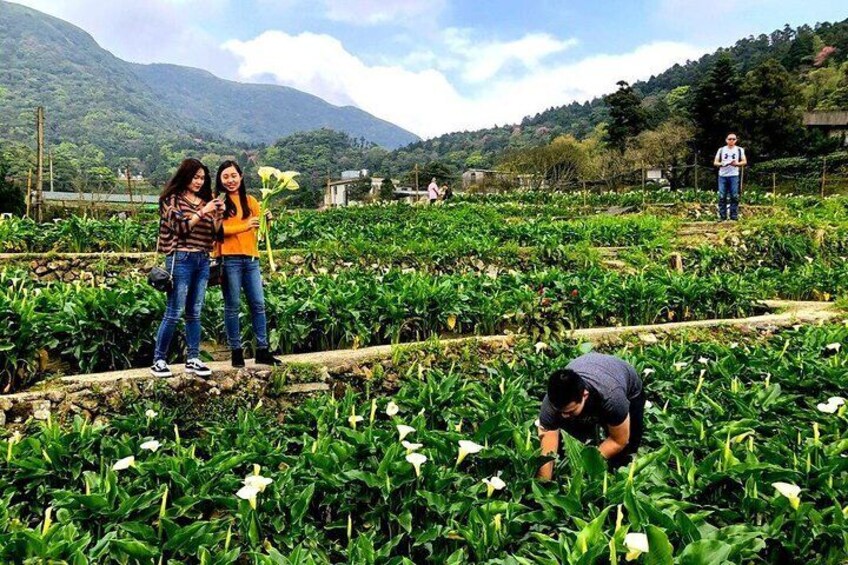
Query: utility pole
[[39, 173], [696, 170], [50, 155], [416, 177], [824, 175]]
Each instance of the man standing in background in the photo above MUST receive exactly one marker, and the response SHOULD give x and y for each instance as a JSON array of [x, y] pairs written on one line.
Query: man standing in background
[[729, 159]]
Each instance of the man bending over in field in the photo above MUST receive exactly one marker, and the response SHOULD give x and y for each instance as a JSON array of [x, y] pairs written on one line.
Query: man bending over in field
[[593, 390]]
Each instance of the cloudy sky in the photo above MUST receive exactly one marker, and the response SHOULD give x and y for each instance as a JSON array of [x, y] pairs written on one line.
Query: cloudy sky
[[433, 66]]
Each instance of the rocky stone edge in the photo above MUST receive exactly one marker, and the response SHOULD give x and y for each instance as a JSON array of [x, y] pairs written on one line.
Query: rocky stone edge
[[95, 396]]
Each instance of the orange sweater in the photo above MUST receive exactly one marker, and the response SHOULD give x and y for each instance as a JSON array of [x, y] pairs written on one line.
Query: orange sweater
[[239, 237]]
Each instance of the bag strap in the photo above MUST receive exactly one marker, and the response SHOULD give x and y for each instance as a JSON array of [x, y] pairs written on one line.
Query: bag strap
[[158, 236]]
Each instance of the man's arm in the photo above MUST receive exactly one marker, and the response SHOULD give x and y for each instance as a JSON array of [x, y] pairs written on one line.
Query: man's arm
[[717, 160], [617, 439], [550, 444]]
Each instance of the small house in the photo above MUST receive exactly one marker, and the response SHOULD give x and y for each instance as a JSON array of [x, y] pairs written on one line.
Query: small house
[[832, 123]]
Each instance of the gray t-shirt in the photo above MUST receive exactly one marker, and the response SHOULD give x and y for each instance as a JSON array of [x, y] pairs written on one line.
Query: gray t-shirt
[[727, 155], [612, 384]]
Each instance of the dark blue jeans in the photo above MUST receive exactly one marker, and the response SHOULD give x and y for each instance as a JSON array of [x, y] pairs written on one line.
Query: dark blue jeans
[[242, 272], [728, 193], [191, 272]]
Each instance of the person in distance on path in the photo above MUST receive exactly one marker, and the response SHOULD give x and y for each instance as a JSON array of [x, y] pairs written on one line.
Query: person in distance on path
[[594, 390], [729, 159], [433, 191]]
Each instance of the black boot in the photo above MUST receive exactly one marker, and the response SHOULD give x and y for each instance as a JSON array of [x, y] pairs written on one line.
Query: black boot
[[264, 357], [237, 357]]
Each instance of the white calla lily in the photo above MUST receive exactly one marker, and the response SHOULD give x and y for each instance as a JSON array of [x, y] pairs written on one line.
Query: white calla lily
[[404, 431], [416, 459], [636, 545], [354, 419], [248, 493], [410, 447], [151, 414], [827, 408], [493, 484], [124, 463], [467, 448], [833, 346], [151, 445], [790, 491], [392, 409], [258, 482], [541, 346], [836, 401]]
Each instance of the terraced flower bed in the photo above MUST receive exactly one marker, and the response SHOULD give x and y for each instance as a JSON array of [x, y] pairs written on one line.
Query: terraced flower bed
[[744, 461]]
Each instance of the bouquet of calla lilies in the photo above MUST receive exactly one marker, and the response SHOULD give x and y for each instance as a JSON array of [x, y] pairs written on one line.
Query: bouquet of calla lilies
[[274, 182]]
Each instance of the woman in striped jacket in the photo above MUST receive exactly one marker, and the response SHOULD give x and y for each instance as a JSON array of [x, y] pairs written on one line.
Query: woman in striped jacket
[[189, 221]]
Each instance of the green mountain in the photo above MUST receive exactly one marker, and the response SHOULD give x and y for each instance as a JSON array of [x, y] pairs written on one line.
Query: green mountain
[[796, 49], [91, 96]]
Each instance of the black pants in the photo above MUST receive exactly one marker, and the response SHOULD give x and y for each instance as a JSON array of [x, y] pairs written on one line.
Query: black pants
[[588, 432]]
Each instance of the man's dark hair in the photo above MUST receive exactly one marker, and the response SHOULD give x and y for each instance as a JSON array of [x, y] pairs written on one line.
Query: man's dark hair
[[564, 387]]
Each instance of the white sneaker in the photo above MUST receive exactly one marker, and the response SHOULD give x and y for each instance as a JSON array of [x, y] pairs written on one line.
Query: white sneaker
[[160, 369], [196, 367]]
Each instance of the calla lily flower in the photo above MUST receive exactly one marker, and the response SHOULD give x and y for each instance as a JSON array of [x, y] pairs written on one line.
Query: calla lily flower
[[833, 346], [636, 545], [151, 414], [354, 419], [680, 365], [790, 491], [540, 346], [248, 493], [703, 360], [265, 173], [827, 408], [392, 409], [493, 484], [257, 481], [404, 431], [410, 447], [467, 448], [648, 371], [151, 445], [416, 459], [836, 401], [124, 463]]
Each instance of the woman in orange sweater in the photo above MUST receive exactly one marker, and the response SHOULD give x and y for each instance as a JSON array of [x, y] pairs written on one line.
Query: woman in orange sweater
[[239, 251]]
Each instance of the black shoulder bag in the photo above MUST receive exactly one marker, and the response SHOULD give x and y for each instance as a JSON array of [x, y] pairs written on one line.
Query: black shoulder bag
[[160, 278]]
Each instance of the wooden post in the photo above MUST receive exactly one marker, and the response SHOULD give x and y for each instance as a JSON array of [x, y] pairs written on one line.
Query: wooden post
[[39, 173], [29, 192], [824, 175], [696, 171], [675, 262], [129, 182], [773, 185], [644, 174], [584, 193], [416, 179]]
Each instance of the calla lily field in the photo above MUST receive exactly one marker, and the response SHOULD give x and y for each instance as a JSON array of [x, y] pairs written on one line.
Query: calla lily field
[[429, 453]]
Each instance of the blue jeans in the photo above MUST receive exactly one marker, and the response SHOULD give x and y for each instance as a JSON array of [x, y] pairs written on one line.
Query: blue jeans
[[191, 272], [242, 272], [728, 193]]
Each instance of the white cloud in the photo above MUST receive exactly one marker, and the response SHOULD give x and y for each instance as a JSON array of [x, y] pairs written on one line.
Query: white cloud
[[425, 101], [484, 59], [371, 12]]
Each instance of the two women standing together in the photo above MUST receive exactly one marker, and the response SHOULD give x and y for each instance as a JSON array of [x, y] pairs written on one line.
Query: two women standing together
[[194, 224]]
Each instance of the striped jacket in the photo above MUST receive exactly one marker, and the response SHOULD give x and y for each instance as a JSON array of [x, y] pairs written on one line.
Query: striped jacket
[[175, 233]]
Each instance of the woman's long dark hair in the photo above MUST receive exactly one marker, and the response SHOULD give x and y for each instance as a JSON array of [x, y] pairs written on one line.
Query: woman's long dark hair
[[230, 209], [183, 177]]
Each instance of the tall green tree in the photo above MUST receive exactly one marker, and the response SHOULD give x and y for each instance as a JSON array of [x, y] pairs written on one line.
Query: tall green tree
[[770, 111], [11, 197], [715, 107], [627, 118]]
